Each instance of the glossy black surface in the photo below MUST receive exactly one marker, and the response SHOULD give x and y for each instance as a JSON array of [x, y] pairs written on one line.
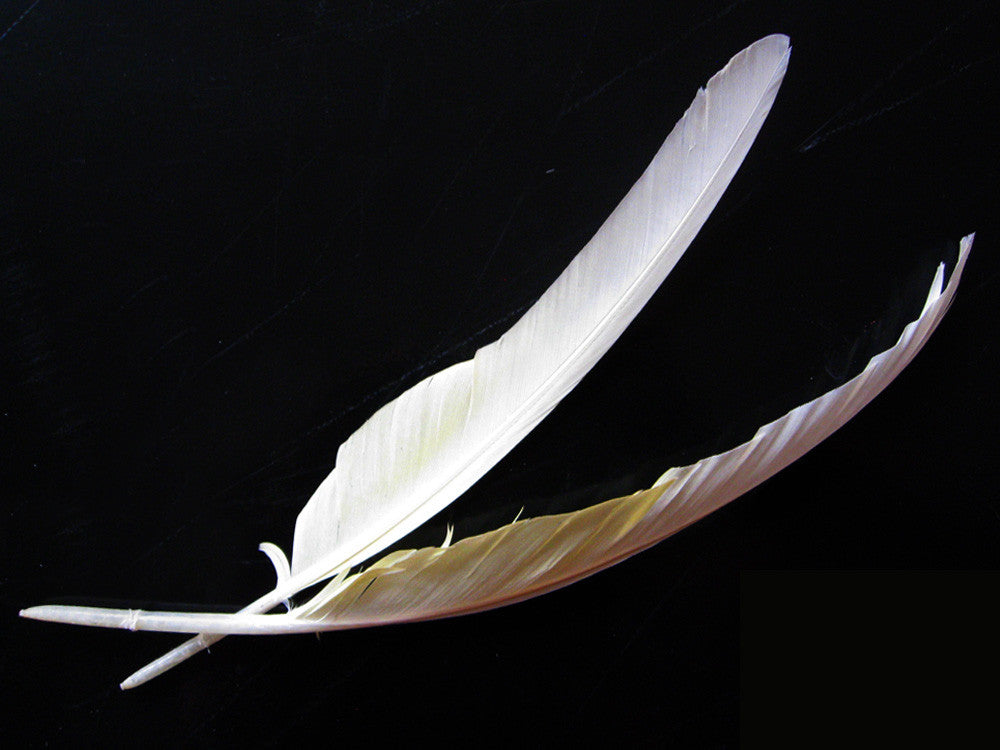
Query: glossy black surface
[[229, 234]]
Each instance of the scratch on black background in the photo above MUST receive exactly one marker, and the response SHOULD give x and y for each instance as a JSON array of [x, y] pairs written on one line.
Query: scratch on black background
[[19, 19], [825, 131]]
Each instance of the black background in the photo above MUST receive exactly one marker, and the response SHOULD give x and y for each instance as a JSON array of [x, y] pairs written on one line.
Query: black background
[[230, 233]]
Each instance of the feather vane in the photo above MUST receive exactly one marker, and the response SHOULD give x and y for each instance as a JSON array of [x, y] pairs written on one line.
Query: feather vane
[[420, 452]]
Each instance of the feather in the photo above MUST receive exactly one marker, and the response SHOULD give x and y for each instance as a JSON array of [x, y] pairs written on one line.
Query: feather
[[420, 452], [530, 557], [417, 454]]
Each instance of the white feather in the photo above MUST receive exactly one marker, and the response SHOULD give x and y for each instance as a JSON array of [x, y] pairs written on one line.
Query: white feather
[[420, 452], [531, 557]]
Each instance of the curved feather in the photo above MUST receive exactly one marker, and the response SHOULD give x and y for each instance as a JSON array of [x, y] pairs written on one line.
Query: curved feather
[[420, 452], [417, 454], [531, 557]]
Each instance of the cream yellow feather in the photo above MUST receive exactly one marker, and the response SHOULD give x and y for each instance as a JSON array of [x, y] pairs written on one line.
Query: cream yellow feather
[[530, 557]]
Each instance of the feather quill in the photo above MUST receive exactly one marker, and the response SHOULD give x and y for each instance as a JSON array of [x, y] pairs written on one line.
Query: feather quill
[[420, 452]]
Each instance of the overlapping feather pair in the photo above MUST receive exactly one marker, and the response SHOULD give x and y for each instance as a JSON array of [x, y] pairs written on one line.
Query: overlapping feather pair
[[420, 452]]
